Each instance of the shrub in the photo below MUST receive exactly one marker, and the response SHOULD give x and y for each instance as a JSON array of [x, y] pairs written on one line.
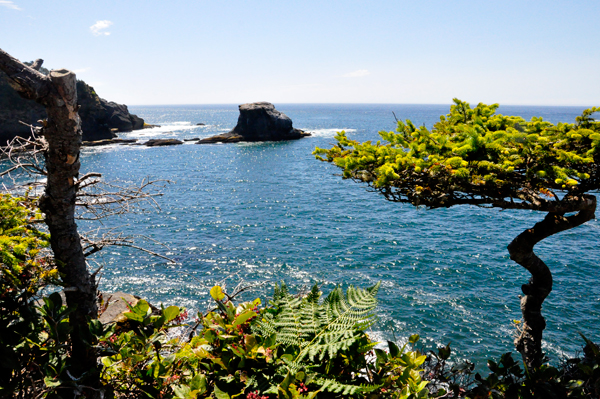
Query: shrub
[[29, 356], [298, 347]]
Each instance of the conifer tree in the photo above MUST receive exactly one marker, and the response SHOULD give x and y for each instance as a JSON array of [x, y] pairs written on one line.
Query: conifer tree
[[474, 156]]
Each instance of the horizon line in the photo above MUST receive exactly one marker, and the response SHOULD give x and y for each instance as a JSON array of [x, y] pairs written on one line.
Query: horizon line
[[352, 103]]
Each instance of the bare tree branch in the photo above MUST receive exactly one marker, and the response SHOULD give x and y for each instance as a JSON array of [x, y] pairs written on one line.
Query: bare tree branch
[[97, 200], [101, 238]]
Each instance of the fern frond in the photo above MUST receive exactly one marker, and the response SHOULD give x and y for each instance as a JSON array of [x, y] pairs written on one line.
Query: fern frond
[[330, 343], [309, 314], [331, 385], [320, 329], [343, 322], [317, 330], [287, 325]]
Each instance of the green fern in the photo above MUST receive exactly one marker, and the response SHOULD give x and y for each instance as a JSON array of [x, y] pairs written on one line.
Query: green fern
[[331, 385], [314, 332], [319, 328]]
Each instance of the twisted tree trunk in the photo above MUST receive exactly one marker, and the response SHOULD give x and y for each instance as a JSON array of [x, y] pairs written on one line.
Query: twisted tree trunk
[[529, 343], [62, 130]]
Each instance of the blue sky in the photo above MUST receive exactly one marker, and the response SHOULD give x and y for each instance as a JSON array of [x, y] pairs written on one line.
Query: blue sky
[[208, 52]]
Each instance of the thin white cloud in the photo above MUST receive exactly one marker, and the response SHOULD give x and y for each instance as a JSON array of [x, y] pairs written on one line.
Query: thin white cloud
[[10, 4], [357, 74], [98, 28], [81, 70]]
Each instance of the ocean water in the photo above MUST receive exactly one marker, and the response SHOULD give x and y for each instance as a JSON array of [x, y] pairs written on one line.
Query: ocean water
[[270, 212]]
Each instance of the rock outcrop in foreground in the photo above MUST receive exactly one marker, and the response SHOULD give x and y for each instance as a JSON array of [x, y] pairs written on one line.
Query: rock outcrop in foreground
[[259, 122], [99, 118]]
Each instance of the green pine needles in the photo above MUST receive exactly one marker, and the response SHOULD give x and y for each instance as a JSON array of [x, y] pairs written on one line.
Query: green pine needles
[[479, 157]]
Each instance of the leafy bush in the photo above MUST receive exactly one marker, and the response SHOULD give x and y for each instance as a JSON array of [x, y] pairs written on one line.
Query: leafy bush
[[299, 347], [28, 341], [508, 378]]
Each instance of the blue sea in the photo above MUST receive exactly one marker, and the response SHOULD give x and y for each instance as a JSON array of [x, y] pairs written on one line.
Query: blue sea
[[257, 212]]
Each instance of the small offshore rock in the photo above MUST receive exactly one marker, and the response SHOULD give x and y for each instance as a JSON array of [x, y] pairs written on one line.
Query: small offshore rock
[[200, 124], [259, 122], [162, 142], [107, 142], [194, 139], [222, 138]]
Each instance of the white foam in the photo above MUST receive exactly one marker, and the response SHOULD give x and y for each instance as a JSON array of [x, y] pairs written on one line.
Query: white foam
[[173, 127], [327, 132]]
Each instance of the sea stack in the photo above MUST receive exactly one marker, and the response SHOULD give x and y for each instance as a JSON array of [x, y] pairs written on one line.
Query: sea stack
[[259, 122]]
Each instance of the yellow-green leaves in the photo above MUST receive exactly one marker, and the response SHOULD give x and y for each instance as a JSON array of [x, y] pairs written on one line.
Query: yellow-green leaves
[[474, 151], [217, 293], [21, 244]]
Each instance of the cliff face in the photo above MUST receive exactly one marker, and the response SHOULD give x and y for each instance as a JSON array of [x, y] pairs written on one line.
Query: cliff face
[[98, 116], [13, 109]]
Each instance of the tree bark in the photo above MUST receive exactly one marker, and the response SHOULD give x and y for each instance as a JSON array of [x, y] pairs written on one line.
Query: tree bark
[[62, 130], [529, 342]]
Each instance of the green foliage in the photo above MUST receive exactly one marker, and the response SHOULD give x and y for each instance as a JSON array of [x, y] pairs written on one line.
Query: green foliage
[[30, 345], [24, 266], [314, 333], [576, 378], [473, 155], [245, 351], [319, 329], [139, 362]]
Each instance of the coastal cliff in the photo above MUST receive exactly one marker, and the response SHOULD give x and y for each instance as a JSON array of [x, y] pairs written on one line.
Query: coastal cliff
[[99, 118]]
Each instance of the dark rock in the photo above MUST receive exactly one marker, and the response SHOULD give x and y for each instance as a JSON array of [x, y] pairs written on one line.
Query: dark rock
[[162, 142], [107, 142], [149, 126], [137, 122], [98, 116], [101, 119], [222, 138], [259, 122], [194, 139], [14, 108], [200, 124], [96, 143]]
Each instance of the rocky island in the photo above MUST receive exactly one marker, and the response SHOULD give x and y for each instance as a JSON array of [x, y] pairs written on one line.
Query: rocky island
[[259, 121], [100, 119]]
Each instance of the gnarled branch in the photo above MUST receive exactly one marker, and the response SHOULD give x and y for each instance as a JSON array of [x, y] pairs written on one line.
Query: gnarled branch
[[529, 342]]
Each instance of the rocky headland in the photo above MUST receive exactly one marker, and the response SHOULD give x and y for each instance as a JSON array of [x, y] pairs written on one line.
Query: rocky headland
[[100, 119], [259, 122]]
